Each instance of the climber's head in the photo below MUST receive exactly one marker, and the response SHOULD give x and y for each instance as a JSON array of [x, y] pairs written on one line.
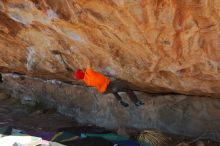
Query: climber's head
[[79, 74]]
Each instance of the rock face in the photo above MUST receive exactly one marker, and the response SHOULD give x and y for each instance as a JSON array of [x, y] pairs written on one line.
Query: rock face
[[160, 46], [179, 114], [157, 45]]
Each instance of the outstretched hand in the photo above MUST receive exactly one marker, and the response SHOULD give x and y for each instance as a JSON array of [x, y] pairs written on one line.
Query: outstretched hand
[[56, 52], [69, 69]]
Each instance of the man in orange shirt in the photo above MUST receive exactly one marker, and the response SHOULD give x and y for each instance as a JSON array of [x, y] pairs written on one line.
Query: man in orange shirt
[[105, 86], [102, 83]]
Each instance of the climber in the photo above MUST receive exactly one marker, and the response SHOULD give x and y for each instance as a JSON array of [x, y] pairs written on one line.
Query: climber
[[102, 83], [105, 86]]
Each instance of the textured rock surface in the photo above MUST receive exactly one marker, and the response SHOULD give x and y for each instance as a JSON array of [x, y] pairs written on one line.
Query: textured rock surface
[[158, 45], [179, 114]]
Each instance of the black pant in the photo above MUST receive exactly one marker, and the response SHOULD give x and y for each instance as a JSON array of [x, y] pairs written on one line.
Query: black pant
[[118, 86]]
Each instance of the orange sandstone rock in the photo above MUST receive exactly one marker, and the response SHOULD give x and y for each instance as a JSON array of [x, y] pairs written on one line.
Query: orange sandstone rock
[[158, 45]]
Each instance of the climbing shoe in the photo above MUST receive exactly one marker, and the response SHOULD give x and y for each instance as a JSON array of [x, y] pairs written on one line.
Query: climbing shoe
[[139, 103], [124, 104]]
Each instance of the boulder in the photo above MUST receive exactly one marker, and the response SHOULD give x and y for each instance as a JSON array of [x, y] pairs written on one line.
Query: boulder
[[159, 46], [176, 114]]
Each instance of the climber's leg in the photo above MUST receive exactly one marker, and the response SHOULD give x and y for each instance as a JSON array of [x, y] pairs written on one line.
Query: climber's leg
[[134, 98], [118, 97]]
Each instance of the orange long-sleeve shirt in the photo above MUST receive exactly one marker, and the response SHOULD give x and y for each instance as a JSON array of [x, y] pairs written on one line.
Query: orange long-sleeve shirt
[[96, 79]]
